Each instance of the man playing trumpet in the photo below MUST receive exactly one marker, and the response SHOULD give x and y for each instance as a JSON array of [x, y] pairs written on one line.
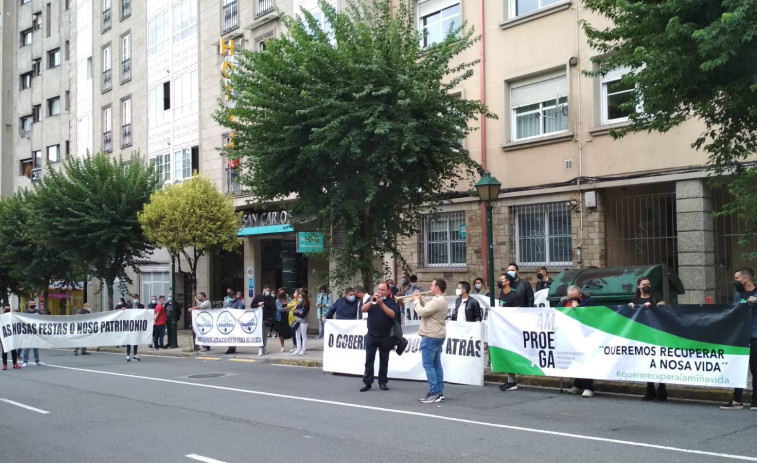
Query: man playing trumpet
[[433, 314], [382, 311]]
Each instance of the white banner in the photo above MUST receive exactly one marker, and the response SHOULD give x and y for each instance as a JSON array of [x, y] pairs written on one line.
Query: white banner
[[228, 327], [462, 353], [113, 328]]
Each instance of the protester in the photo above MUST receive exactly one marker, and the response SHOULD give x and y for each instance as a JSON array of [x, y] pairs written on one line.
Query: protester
[[292, 319], [414, 286], [521, 287], [381, 310], [235, 300], [466, 308], [433, 313], [202, 304], [267, 302], [323, 305], [542, 280], [32, 309], [173, 314], [746, 293], [84, 310], [508, 297], [646, 300], [151, 306], [282, 317], [393, 290], [14, 357], [404, 285], [301, 312], [344, 308], [362, 297], [135, 305], [479, 288], [578, 298], [159, 323], [135, 302]]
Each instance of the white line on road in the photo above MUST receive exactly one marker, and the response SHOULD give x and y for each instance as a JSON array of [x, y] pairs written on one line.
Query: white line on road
[[201, 458], [44, 412], [423, 415]]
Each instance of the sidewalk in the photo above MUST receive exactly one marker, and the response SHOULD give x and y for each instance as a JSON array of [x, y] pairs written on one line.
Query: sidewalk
[[314, 358]]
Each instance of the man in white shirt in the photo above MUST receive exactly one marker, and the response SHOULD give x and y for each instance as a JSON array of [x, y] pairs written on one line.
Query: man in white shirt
[[467, 309]]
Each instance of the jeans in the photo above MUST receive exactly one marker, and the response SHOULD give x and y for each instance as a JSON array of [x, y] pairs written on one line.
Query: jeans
[[384, 345], [321, 313], [36, 355], [431, 353], [737, 393], [157, 336]]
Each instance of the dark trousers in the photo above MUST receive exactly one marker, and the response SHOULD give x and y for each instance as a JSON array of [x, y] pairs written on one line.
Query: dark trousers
[[583, 383], [384, 344], [738, 392], [14, 357], [158, 333]]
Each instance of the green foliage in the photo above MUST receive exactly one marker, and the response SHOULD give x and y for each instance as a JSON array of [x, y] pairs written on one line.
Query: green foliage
[[690, 59], [360, 123], [88, 212], [191, 219]]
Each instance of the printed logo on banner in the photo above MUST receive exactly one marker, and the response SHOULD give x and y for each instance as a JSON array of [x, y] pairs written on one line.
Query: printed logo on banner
[[204, 322], [248, 321], [226, 322]]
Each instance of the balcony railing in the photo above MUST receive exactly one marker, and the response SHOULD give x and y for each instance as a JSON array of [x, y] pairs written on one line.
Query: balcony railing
[[125, 8], [126, 70], [125, 135], [232, 181], [108, 142], [265, 6], [106, 19], [230, 16], [107, 82]]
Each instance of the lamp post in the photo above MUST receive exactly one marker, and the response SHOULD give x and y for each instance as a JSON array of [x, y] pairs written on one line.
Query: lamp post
[[488, 191]]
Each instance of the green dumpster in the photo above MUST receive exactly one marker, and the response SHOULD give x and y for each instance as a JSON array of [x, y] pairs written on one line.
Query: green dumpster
[[616, 285]]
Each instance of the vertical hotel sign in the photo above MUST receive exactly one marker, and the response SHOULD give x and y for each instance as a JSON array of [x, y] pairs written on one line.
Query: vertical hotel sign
[[227, 68]]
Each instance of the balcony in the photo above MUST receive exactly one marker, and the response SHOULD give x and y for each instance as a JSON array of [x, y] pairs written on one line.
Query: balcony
[[230, 16], [106, 19], [126, 70], [125, 135], [265, 6], [233, 187], [107, 82], [125, 8], [108, 142]]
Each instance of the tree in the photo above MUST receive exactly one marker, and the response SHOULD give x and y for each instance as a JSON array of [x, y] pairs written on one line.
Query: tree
[[88, 212], [689, 60], [359, 121], [191, 219]]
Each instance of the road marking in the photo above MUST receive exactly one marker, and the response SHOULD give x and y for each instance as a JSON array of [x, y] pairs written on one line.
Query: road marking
[[422, 415], [207, 358], [242, 360], [201, 458], [44, 412]]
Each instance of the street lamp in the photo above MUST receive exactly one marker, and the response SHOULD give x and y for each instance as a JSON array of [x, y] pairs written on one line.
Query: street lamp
[[488, 191]]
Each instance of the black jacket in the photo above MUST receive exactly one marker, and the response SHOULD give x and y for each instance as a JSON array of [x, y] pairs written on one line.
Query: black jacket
[[472, 309], [269, 307]]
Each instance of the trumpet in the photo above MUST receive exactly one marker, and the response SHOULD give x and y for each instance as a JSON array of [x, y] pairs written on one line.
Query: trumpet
[[425, 293]]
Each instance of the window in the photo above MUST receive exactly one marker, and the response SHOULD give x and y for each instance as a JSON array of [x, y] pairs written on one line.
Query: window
[[162, 166], [106, 15], [53, 58], [26, 167], [53, 106], [108, 130], [155, 283], [36, 113], [523, 7], [89, 68], [184, 20], [158, 33], [67, 100], [48, 19], [182, 164], [543, 234], [265, 6], [436, 19], [53, 153], [125, 8], [25, 80], [230, 15], [126, 122], [186, 94], [155, 111], [37, 20], [24, 2], [166, 95], [67, 48], [25, 126], [37, 158], [37, 66], [442, 240], [539, 106], [126, 58], [615, 93], [26, 37], [107, 81]]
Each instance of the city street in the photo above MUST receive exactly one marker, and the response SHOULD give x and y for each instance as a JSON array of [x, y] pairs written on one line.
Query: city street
[[176, 409]]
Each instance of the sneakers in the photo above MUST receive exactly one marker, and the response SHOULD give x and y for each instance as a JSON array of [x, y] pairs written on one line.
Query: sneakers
[[508, 387], [292, 350], [25, 364], [38, 364], [136, 358], [732, 405], [300, 353], [16, 366], [283, 349], [588, 394], [573, 390], [5, 367], [432, 398], [128, 358]]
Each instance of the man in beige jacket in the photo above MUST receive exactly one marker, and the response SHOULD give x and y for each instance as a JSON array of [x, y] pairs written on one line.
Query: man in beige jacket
[[433, 314]]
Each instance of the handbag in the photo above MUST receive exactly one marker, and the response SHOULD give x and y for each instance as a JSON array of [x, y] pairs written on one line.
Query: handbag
[[295, 325]]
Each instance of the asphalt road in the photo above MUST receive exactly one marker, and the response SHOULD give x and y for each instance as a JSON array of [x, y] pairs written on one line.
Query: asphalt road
[[99, 408]]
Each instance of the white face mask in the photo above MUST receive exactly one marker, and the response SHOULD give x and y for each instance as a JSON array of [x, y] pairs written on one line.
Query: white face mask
[[351, 298], [267, 293], [459, 292], [299, 300], [477, 285]]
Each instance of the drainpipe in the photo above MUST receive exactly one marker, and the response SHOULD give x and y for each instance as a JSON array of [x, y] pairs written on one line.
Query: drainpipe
[[482, 83], [579, 248]]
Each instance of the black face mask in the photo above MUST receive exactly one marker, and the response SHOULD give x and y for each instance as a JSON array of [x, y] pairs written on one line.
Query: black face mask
[[499, 284], [539, 276], [739, 287], [646, 289]]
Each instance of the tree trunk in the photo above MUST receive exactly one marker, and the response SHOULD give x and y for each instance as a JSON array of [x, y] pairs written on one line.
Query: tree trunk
[[109, 288], [367, 270]]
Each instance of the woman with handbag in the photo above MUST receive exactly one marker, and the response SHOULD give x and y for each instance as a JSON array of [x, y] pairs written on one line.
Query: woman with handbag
[[282, 317], [301, 314]]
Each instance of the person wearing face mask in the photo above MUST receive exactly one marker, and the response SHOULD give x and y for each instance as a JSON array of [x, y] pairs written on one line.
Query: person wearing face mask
[[414, 286], [393, 289], [282, 317], [202, 304], [508, 297], [323, 305], [267, 302], [135, 303], [344, 308], [123, 306], [301, 314], [521, 287], [479, 289], [404, 285], [173, 314], [467, 309], [381, 310], [746, 293], [151, 306], [645, 299], [542, 280], [578, 298]]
